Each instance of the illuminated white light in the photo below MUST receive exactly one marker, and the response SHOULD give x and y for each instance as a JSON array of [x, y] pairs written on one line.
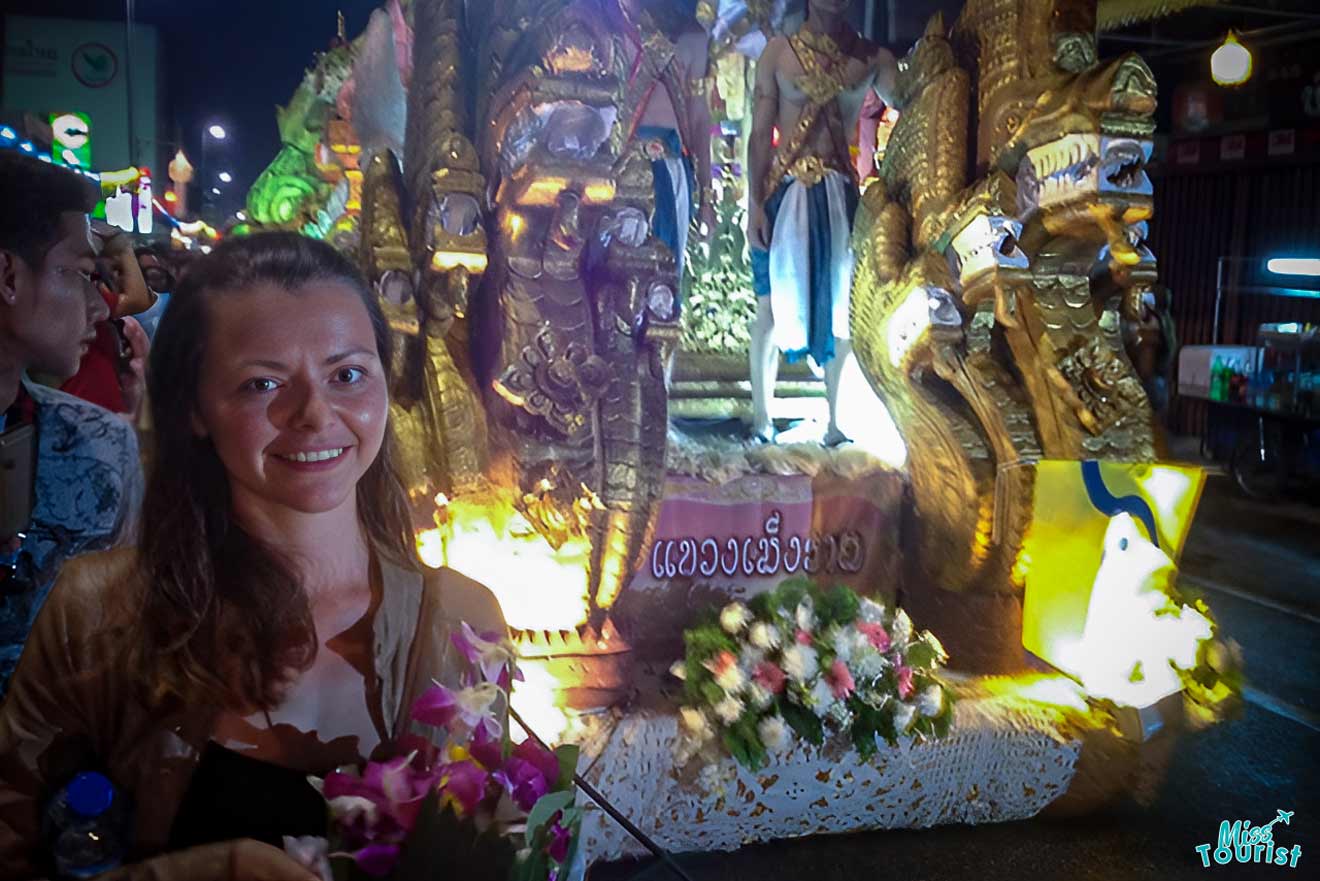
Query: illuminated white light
[[225, 177], [26, 147], [1231, 63], [1294, 266], [240, 215], [864, 418], [218, 132], [214, 191], [8, 133], [206, 249]]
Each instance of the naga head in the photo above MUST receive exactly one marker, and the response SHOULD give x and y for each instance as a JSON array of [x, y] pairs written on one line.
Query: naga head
[[1079, 156]]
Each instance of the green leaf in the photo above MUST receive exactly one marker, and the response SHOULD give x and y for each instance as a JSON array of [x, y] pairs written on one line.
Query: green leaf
[[839, 605], [711, 693], [803, 722], [568, 761], [921, 655], [544, 809]]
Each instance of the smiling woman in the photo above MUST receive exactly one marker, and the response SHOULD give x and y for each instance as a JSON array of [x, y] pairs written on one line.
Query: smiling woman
[[275, 622]]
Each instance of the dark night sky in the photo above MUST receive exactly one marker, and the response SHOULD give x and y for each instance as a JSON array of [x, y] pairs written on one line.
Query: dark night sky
[[229, 62]]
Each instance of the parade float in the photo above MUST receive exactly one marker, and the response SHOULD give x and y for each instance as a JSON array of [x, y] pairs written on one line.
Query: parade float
[[1012, 543]]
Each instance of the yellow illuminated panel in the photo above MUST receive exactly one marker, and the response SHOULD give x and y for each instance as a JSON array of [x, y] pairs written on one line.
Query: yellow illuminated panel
[[472, 261], [1098, 561]]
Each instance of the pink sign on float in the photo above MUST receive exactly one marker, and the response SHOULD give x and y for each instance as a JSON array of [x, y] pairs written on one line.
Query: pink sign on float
[[717, 542]]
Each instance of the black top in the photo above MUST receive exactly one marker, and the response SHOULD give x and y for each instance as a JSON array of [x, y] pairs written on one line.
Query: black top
[[235, 796]]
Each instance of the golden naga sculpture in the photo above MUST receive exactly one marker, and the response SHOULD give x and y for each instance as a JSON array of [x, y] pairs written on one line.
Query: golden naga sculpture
[[518, 259], [995, 256]]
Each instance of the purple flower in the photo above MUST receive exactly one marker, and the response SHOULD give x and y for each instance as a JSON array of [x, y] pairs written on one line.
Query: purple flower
[[463, 784], [560, 839], [524, 782], [490, 653], [486, 747], [377, 860], [441, 707]]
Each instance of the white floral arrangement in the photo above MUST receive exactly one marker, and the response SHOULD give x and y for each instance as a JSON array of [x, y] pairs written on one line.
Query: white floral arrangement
[[801, 661]]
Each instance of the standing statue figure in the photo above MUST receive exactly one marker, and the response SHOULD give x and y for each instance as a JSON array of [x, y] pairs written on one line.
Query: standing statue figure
[[804, 191], [666, 54]]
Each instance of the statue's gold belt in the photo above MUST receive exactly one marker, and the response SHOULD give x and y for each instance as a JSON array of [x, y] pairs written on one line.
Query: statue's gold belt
[[808, 171]]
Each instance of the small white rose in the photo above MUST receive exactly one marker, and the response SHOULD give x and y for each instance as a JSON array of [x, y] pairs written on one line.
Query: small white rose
[[805, 616], [904, 715], [695, 724], [734, 618], [800, 662], [764, 636], [759, 696], [678, 670], [931, 701], [729, 710], [871, 612], [775, 734], [822, 698]]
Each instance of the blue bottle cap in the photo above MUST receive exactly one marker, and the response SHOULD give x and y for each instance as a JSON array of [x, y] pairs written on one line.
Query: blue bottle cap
[[90, 794]]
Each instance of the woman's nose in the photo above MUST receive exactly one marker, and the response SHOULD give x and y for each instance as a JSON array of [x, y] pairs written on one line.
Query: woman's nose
[[311, 411]]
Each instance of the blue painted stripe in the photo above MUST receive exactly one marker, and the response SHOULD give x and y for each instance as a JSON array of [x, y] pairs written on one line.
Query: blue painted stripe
[[1110, 505]]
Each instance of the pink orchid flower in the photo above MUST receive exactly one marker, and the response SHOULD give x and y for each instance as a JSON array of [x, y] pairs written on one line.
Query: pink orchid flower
[[441, 707], [530, 773], [875, 634], [490, 653], [803, 637], [841, 680], [463, 784], [905, 686], [377, 860], [770, 677], [560, 839]]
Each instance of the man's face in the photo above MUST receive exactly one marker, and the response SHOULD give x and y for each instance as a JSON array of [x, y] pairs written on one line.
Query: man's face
[[53, 307]]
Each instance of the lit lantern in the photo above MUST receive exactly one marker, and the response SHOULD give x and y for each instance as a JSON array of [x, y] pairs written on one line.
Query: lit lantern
[[1230, 65]]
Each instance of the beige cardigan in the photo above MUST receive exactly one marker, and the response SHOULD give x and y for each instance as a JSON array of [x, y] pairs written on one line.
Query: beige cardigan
[[69, 709]]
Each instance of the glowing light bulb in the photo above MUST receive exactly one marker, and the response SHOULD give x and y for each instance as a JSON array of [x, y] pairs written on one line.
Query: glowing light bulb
[[1230, 65], [218, 132]]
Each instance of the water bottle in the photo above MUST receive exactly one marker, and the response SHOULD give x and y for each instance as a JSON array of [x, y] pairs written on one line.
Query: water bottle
[[87, 826]]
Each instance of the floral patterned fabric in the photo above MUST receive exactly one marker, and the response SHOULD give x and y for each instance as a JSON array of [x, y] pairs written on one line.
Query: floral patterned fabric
[[88, 494]]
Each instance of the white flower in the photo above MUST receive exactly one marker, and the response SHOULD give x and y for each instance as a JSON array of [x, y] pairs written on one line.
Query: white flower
[[759, 696], [902, 629], [800, 662], [764, 636], [805, 616], [729, 710], [678, 670], [904, 715], [821, 698], [840, 715], [734, 618], [695, 723], [849, 643], [871, 612], [868, 664], [728, 675], [775, 734], [931, 700], [749, 657]]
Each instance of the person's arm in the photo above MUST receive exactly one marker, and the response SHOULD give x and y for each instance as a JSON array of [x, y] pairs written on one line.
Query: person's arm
[[699, 124], [886, 75], [760, 149], [134, 294], [59, 704]]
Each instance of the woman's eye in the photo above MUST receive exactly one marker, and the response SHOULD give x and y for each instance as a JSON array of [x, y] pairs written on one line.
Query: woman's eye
[[261, 384], [349, 375]]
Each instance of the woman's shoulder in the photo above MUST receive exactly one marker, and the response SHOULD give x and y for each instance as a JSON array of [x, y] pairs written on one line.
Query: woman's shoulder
[[456, 597], [97, 588]]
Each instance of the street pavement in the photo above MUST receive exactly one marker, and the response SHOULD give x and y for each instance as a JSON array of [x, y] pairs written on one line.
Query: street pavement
[[1257, 566]]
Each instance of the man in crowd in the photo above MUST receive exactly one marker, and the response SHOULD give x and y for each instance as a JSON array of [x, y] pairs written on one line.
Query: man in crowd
[[88, 480]]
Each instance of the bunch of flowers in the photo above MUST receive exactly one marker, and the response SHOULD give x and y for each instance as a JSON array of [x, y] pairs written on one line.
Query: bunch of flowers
[[802, 661], [470, 801]]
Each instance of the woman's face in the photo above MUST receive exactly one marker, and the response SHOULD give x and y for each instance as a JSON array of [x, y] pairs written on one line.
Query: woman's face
[[292, 395]]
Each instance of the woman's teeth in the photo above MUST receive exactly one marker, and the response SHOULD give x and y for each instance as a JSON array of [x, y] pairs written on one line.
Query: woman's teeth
[[318, 456]]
